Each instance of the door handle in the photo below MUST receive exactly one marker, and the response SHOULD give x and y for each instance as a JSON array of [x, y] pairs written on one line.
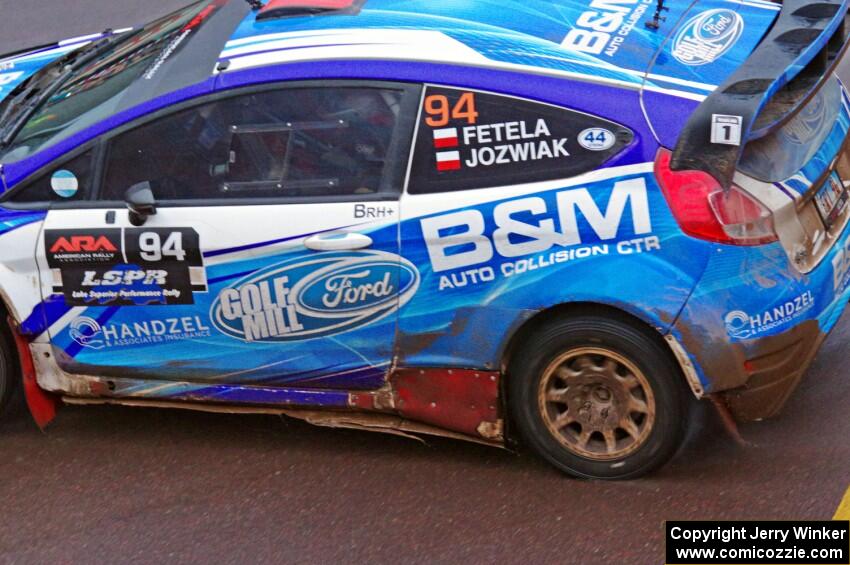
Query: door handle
[[338, 242]]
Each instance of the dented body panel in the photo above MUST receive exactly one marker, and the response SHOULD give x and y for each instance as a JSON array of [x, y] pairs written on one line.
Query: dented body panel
[[502, 195]]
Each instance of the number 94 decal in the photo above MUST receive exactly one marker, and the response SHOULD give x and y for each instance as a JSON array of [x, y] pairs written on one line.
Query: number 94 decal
[[126, 267]]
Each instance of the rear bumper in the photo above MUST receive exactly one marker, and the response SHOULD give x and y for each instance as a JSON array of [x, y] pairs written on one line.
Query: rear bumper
[[775, 373], [754, 323]]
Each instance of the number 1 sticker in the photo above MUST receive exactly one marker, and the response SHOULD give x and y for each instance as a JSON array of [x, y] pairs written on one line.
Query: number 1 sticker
[[726, 130]]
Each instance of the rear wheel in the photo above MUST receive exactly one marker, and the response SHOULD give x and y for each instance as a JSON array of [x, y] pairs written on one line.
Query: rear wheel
[[598, 398]]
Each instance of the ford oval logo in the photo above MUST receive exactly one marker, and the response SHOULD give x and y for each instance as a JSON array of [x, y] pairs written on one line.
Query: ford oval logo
[[316, 296], [353, 288], [707, 36]]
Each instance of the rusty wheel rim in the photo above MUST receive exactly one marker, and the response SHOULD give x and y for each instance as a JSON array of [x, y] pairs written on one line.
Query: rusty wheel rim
[[597, 403]]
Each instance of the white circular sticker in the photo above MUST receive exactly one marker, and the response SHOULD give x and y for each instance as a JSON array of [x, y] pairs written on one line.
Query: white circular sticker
[[596, 139], [64, 183]]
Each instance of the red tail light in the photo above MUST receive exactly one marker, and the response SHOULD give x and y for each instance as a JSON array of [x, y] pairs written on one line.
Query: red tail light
[[281, 7], [705, 211]]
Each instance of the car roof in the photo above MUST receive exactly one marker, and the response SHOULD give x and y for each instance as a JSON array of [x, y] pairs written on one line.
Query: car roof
[[544, 37], [523, 36]]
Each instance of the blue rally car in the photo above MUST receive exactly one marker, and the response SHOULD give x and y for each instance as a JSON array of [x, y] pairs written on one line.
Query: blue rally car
[[560, 222]]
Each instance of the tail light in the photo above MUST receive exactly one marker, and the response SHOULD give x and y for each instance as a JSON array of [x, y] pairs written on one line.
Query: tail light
[[705, 211]]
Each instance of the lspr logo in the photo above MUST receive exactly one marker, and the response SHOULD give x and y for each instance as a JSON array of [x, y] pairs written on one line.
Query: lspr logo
[[707, 36], [319, 296]]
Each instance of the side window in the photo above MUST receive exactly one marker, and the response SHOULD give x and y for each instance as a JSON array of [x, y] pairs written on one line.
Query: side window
[[296, 142], [470, 140], [69, 182]]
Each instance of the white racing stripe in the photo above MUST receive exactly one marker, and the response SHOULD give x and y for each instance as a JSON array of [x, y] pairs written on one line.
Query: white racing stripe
[[757, 4], [414, 54], [418, 206], [282, 35], [55, 51], [414, 45], [80, 39], [62, 322], [640, 74]]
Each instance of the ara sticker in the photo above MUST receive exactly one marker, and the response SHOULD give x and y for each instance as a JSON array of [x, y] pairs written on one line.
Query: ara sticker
[[596, 139], [64, 183]]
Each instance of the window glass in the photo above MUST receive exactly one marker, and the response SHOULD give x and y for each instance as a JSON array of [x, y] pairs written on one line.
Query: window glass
[[471, 140], [70, 182], [96, 90], [299, 142], [778, 155]]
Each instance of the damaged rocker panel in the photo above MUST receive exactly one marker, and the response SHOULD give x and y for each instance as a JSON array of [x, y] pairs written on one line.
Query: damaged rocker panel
[[456, 403]]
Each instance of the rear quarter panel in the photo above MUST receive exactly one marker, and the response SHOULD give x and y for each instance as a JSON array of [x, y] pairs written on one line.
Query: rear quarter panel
[[607, 237]]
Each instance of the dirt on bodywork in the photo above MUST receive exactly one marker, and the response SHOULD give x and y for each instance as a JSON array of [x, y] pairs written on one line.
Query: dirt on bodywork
[[759, 376], [464, 401]]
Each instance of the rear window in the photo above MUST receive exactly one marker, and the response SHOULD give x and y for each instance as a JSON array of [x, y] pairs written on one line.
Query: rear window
[[469, 140], [780, 155]]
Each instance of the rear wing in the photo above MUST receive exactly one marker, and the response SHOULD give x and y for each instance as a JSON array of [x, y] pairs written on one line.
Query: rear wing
[[796, 58]]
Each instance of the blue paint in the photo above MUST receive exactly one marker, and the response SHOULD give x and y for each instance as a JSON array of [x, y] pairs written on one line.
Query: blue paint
[[44, 315], [232, 394], [456, 313], [11, 219]]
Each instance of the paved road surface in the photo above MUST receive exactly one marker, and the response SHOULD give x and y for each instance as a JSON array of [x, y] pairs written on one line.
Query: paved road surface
[[128, 485]]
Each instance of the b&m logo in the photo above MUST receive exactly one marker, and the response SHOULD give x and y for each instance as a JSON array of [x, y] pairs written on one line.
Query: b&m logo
[[306, 298], [706, 37]]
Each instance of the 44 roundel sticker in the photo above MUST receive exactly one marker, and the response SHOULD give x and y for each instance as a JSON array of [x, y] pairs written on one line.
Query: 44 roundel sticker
[[596, 139]]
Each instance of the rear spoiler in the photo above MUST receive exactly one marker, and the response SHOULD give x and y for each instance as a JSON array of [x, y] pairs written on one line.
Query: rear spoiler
[[793, 61]]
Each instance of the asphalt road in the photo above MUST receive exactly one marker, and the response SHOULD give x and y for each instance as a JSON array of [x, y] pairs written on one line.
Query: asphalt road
[[116, 485]]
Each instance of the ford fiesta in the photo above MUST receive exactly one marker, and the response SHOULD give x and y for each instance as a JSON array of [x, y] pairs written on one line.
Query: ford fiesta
[[557, 222]]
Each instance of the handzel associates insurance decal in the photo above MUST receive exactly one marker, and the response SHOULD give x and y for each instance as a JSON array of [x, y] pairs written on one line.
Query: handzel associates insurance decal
[[741, 325], [91, 334], [311, 297]]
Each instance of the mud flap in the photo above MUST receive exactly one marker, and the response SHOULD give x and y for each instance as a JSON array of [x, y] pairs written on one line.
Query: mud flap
[[42, 405]]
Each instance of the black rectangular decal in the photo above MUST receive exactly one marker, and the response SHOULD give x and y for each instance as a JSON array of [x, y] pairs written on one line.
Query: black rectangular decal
[[469, 140], [130, 267]]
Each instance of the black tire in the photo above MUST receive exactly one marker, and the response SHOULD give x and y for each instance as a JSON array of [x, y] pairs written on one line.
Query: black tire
[[10, 393], [576, 376]]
